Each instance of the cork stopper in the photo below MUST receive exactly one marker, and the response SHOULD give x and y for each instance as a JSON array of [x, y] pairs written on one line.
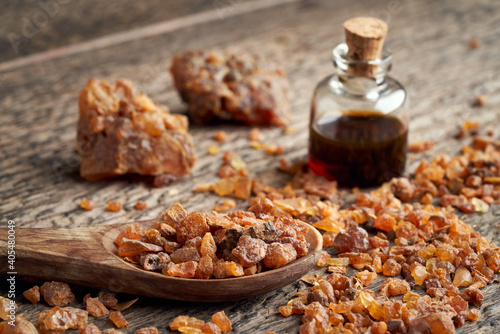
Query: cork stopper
[[364, 37]]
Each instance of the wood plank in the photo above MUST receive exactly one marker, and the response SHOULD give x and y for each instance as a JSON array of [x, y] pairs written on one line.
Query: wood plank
[[221, 11], [35, 26], [39, 174]]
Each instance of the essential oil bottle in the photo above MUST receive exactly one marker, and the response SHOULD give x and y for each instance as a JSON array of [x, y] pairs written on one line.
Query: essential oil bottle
[[359, 116]]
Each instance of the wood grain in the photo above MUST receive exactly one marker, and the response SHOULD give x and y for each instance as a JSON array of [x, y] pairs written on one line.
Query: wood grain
[[40, 186], [33, 26]]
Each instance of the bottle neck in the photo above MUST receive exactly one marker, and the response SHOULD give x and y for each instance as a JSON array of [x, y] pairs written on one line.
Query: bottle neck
[[361, 77]]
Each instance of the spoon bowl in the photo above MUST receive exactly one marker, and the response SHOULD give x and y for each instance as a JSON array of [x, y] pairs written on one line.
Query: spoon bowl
[[89, 257]]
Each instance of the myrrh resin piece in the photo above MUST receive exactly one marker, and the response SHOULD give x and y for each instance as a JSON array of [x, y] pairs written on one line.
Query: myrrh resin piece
[[250, 250], [210, 328], [438, 322], [354, 240], [136, 247], [225, 269], [132, 232], [194, 225], [147, 330], [57, 319], [20, 326], [89, 329], [95, 307], [33, 294], [5, 307], [183, 321], [121, 131], [118, 319], [111, 331], [205, 268], [279, 255], [114, 206], [222, 321], [57, 293], [184, 269], [220, 85], [366, 277]]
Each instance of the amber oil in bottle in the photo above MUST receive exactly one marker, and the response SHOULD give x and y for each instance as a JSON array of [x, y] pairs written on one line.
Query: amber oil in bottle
[[359, 117], [358, 148]]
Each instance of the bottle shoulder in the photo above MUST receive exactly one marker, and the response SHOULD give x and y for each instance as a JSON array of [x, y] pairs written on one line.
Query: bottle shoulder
[[333, 82], [332, 92]]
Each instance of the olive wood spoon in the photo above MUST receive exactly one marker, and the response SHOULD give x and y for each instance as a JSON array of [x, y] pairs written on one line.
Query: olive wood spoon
[[88, 256]]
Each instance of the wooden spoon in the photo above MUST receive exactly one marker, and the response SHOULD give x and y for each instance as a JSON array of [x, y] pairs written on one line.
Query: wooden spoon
[[88, 256]]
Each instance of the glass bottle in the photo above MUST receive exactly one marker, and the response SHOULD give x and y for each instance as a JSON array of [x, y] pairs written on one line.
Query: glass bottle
[[358, 123]]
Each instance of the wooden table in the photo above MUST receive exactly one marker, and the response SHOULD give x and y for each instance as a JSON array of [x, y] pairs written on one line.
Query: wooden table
[[39, 86]]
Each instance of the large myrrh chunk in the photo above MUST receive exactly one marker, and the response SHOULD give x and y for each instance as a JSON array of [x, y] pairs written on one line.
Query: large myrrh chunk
[[219, 85], [121, 130]]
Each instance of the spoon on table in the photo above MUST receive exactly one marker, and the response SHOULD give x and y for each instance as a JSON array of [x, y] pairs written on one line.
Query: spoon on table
[[88, 256]]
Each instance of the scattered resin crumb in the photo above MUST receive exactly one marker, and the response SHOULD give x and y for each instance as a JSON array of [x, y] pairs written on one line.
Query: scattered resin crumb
[[89, 329], [222, 321], [59, 319], [220, 136], [255, 135], [140, 205], [147, 330], [421, 146], [481, 100], [94, 306], [33, 294], [213, 149], [18, 326], [474, 44], [114, 206], [289, 130], [6, 306], [57, 293], [86, 204], [118, 319], [257, 145], [225, 206], [273, 148]]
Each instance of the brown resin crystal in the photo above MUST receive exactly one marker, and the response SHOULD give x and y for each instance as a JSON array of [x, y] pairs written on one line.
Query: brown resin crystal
[[57, 293], [6, 306], [33, 294], [219, 85], [210, 328], [121, 131], [19, 326], [183, 321], [147, 330], [225, 269], [435, 323], [279, 255], [250, 250], [58, 320], [184, 269], [222, 321], [108, 299], [89, 329], [95, 307], [118, 319]]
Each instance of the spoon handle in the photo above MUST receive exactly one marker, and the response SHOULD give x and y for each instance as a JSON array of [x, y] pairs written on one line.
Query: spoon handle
[[70, 255]]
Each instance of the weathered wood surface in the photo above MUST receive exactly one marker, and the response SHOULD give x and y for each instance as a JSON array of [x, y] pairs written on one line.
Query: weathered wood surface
[[34, 26], [40, 186]]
